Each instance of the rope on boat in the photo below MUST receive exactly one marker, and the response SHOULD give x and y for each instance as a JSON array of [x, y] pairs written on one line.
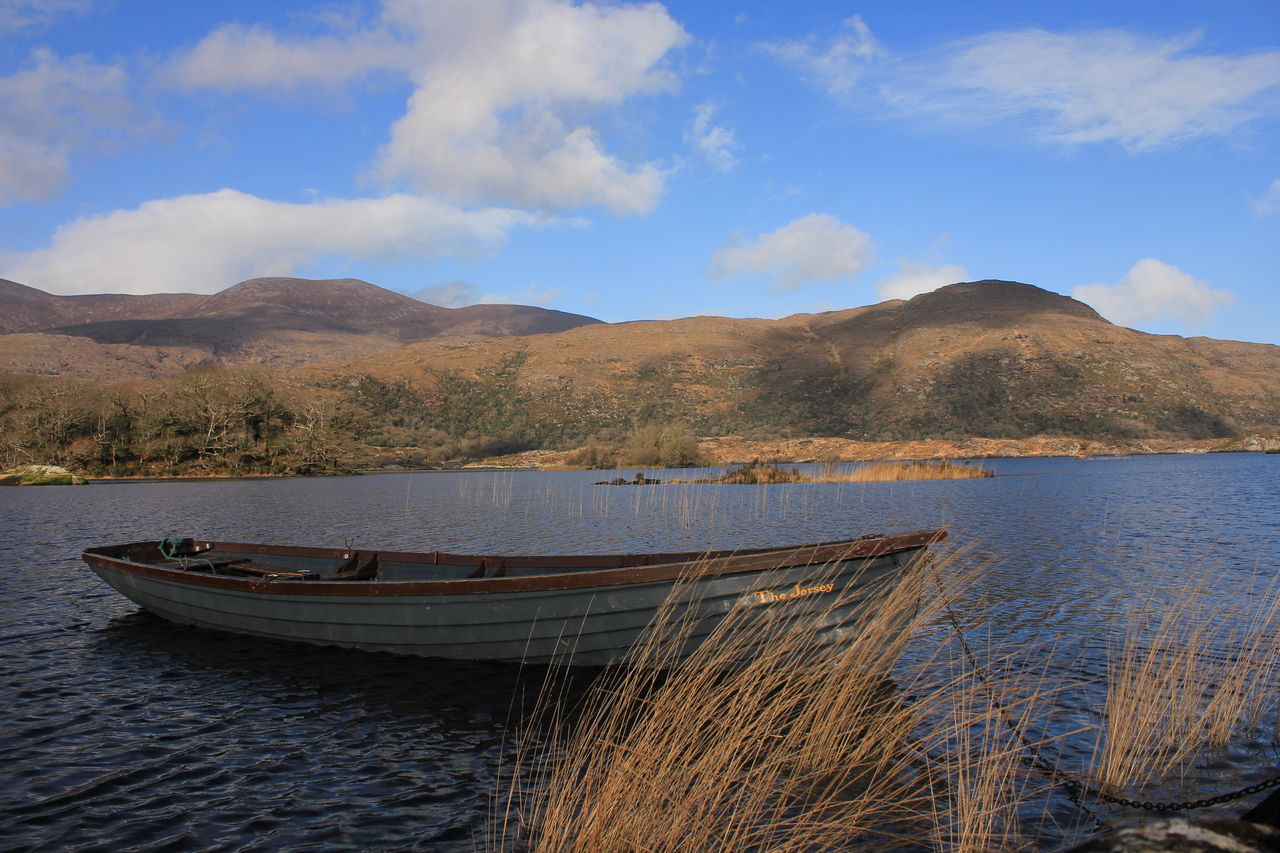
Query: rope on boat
[[169, 546], [1078, 790]]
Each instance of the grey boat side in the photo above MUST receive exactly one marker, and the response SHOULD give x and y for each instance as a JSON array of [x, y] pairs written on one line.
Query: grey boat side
[[587, 610]]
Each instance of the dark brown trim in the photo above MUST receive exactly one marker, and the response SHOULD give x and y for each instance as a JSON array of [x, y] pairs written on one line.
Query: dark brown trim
[[613, 569]]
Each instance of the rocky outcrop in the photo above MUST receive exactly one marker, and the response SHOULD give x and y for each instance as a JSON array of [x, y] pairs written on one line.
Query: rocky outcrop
[[40, 475]]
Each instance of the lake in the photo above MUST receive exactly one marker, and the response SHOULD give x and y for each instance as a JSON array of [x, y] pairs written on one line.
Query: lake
[[122, 731]]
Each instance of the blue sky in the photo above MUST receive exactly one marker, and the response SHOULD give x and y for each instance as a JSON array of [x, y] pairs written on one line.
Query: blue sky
[[639, 161]]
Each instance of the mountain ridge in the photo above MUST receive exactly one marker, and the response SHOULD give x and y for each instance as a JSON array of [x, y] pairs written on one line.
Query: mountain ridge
[[987, 358], [280, 321]]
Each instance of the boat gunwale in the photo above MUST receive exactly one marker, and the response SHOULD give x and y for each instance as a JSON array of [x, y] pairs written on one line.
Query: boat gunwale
[[593, 570]]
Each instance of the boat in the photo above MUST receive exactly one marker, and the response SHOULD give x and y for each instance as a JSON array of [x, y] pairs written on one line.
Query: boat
[[571, 610]]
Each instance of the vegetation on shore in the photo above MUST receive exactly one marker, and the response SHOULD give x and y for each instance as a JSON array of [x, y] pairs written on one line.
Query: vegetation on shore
[[803, 750], [238, 421]]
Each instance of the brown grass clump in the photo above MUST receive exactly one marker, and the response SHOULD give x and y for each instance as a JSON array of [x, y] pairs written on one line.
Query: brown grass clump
[[887, 472], [757, 473]]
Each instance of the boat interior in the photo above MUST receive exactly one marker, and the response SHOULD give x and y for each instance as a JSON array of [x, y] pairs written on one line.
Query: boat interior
[[281, 562]]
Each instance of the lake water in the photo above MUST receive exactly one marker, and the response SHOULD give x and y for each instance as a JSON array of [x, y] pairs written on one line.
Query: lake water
[[121, 731]]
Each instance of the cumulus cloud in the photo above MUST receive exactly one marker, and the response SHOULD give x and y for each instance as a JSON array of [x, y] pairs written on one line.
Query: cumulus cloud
[[837, 67], [53, 109], [817, 247], [1151, 291], [1270, 201], [912, 279], [203, 243], [486, 123], [495, 87], [714, 142]]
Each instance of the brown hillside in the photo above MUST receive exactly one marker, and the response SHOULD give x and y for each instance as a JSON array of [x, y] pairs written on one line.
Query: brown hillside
[[26, 309], [990, 358], [281, 322]]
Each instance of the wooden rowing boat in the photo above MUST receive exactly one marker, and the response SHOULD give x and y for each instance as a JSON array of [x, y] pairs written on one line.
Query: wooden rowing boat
[[580, 610]]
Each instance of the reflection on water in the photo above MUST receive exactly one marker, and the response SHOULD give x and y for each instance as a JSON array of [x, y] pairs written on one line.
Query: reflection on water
[[122, 730]]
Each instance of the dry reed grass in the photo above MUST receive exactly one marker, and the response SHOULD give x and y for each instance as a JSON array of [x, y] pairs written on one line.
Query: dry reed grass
[[758, 473], [888, 472], [760, 741], [1188, 673]]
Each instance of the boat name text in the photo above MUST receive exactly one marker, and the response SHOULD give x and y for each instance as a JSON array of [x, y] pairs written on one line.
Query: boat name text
[[768, 596]]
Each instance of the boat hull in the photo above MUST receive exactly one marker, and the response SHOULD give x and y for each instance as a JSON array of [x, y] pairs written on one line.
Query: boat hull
[[573, 618]]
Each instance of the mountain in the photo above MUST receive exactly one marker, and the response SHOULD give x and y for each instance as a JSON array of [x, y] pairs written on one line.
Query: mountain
[[990, 358], [275, 321], [26, 309]]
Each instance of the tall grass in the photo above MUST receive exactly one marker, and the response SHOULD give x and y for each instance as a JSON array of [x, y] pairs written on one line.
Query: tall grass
[[763, 739], [1188, 673]]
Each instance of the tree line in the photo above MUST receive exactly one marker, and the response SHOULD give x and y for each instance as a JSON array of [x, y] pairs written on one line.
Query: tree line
[[206, 421]]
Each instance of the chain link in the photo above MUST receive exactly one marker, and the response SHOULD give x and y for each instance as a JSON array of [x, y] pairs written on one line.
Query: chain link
[[1077, 790]]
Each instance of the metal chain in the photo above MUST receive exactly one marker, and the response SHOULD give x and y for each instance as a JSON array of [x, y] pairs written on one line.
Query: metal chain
[[1256, 788], [1076, 789]]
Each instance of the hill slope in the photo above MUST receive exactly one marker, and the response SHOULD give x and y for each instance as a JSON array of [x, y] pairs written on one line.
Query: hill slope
[[980, 358], [277, 321]]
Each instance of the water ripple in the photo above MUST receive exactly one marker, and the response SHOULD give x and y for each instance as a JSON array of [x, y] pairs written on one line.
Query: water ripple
[[125, 732]]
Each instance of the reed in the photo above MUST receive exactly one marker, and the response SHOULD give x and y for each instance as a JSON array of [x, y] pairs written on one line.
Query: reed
[[759, 473], [886, 472], [767, 742], [757, 741], [1190, 669]]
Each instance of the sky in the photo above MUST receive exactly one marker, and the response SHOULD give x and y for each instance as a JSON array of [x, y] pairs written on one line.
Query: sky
[[651, 161]]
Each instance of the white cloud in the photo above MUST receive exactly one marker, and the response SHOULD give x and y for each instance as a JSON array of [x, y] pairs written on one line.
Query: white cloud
[[530, 294], [235, 57], [817, 247], [1099, 86], [486, 123], [203, 243], [912, 279], [19, 15], [495, 86], [450, 294], [837, 68], [458, 294], [1270, 201], [53, 109], [714, 142], [1153, 290], [1067, 88]]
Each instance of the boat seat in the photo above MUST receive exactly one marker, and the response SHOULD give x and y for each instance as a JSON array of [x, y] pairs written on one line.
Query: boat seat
[[200, 564], [269, 572]]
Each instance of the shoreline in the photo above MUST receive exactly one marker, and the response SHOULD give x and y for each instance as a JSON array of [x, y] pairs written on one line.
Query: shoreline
[[730, 450]]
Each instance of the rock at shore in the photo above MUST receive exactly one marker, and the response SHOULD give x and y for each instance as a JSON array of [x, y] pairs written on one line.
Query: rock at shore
[[40, 475]]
